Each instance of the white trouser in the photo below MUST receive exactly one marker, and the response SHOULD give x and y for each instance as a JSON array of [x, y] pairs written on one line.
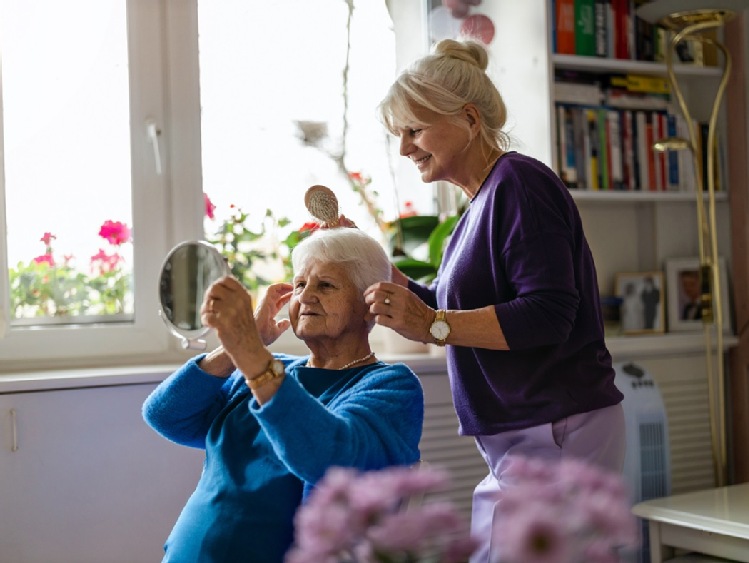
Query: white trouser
[[597, 437]]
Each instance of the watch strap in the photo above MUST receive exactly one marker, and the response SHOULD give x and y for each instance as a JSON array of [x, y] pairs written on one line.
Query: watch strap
[[268, 375]]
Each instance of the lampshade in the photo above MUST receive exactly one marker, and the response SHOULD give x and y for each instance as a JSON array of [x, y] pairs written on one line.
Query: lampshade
[[676, 13]]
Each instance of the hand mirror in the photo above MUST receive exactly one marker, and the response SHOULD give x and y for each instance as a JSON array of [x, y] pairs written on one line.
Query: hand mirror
[[188, 270]]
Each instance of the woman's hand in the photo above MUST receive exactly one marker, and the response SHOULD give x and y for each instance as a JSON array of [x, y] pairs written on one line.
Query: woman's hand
[[275, 298], [401, 310], [227, 308]]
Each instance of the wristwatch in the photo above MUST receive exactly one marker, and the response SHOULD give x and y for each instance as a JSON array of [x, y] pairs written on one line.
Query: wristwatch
[[440, 330], [274, 370]]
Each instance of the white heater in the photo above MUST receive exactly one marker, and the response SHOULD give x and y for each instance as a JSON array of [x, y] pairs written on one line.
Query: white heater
[[647, 467]]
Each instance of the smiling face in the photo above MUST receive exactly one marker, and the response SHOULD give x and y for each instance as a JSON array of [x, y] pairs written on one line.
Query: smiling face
[[438, 145], [326, 305]]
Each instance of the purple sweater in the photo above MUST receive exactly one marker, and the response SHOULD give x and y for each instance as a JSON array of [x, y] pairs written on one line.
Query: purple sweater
[[520, 246]]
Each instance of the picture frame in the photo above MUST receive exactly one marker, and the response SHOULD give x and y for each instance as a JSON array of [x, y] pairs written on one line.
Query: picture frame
[[683, 288], [642, 308]]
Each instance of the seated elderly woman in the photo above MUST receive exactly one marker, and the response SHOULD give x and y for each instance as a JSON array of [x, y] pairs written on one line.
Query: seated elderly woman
[[272, 424]]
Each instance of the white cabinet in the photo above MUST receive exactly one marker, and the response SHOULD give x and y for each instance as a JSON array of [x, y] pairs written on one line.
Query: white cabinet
[[84, 480]]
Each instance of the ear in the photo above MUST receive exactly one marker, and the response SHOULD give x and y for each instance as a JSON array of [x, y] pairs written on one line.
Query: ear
[[473, 117]]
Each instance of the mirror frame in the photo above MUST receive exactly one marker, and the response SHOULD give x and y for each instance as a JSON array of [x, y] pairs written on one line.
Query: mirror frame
[[190, 338]]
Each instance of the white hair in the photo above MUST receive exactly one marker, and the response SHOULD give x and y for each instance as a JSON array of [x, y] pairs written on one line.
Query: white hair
[[365, 257]]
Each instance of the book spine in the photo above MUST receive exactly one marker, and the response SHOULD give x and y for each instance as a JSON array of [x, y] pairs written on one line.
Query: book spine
[[600, 15], [565, 27], [615, 149], [603, 151], [594, 147], [585, 36]]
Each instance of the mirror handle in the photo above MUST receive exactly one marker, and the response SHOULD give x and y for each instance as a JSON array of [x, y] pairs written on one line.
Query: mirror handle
[[187, 343]]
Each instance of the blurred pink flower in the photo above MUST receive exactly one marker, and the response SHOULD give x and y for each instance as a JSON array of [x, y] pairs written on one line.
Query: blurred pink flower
[[47, 238], [209, 207], [564, 512], [45, 258], [103, 263], [362, 517], [115, 232]]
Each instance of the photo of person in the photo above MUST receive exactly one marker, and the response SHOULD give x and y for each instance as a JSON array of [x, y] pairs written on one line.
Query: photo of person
[[642, 307], [689, 295], [684, 288]]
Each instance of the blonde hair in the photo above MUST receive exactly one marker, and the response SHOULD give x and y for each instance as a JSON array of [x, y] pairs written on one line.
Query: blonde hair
[[443, 82]]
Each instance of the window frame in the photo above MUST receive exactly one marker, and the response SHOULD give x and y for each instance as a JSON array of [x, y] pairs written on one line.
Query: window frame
[[168, 208]]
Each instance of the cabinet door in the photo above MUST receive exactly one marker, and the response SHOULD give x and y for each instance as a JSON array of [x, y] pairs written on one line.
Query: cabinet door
[[84, 479]]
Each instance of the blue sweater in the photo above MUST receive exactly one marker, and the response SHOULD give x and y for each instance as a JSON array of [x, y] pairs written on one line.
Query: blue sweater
[[262, 460], [520, 247]]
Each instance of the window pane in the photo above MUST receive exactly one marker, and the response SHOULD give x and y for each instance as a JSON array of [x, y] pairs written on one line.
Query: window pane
[[273, 108], [67, 159]]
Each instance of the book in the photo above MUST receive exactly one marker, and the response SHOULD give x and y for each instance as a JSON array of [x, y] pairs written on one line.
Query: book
[[566, 137], [614, 146], [585, 36], [565, 26], [621, 13], [600, 16], [592, 158]]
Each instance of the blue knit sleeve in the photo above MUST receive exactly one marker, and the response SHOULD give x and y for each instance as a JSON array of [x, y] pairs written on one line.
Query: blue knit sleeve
[[184, 405], [375, 423]]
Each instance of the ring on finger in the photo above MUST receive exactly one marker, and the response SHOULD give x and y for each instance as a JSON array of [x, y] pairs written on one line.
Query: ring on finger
[[387, 301]]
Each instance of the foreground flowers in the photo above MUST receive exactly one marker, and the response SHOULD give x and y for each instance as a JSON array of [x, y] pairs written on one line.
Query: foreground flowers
[[565, 512], [365, 518]]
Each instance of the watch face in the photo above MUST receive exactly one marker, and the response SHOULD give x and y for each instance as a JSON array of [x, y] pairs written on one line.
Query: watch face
[[440, 330], [277, 367]]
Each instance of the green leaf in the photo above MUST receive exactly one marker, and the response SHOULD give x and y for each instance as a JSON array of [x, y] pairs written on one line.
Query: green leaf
[[438, 239]]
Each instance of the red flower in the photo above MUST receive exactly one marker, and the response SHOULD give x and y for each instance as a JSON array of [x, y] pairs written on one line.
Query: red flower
[[48, 258], [47, 238], [309, 226], [209, 207], [408, 210], [115, 232], [356, 176]]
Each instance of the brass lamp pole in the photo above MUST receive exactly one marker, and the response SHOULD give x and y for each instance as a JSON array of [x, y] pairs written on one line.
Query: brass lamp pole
[[690, 19]]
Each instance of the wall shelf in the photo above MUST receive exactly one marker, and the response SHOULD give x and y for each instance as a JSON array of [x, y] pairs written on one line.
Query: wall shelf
[[627, 66], [614, 196]]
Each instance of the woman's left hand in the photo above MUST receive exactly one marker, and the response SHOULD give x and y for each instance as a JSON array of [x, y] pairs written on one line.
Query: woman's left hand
[[400, 309], [269, 306]]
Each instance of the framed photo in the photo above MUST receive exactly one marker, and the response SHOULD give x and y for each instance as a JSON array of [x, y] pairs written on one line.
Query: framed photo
[[642, 308], [683, 284]]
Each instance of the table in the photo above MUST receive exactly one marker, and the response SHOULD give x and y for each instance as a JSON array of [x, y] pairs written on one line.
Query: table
[[714, 522]]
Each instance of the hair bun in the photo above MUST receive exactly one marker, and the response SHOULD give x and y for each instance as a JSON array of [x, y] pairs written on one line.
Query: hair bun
[[468, 50]]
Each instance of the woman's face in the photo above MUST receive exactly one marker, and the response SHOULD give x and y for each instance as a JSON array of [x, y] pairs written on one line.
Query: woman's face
[[326, 303], [438, 150]]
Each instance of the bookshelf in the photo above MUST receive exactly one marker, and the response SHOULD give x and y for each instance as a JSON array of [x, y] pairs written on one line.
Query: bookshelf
[[636, 228]]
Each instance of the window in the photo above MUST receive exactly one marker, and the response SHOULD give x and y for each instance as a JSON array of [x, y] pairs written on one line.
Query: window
[[128, 111]]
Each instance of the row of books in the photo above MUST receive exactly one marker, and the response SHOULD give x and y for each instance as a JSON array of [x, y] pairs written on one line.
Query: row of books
[[611, 28], [610, 148]]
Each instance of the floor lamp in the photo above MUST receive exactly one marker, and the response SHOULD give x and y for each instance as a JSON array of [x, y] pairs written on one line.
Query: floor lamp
[[690, 20]]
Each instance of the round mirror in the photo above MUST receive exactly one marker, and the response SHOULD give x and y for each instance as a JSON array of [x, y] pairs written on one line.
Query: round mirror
[[188, 270]]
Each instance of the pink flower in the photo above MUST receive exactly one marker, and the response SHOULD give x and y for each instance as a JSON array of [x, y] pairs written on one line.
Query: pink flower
[[364, 516], [209, 207], [47, 238], [115, 232], [45, 259], [562, 512], [103, 263]]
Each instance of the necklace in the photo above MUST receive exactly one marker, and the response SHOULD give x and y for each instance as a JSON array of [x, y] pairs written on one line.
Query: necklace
[[348, 365]]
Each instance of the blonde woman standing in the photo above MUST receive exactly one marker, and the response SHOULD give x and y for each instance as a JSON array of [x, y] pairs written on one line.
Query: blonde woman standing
[[516, 298]]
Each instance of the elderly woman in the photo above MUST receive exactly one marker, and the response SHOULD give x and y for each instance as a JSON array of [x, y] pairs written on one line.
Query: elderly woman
[[272, 424]]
